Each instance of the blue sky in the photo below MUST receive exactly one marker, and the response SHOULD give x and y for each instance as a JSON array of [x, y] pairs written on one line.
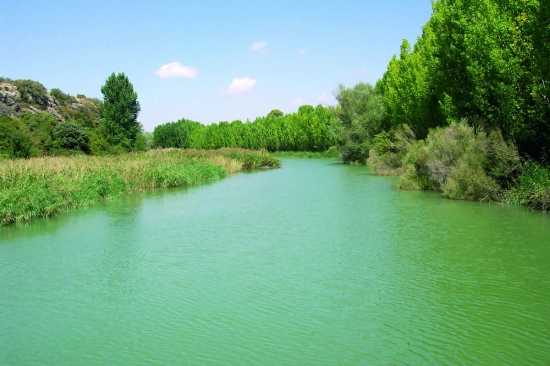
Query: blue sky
[[208, 60]]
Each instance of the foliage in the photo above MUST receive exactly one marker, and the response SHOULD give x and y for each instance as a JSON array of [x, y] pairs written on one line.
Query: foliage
[[31, 92], [389, 150], [20, 144], [71, 136], [359, 117], [331, 153], [483, 60], [275, 113], [533, 188], [43, 187], [307, 130], [140, 143], [149, 139], [62, 98], [120, 110], [462, 163]]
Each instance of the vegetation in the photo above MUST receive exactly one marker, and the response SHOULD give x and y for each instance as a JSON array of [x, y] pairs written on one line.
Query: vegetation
[[31, 92], [42, 187], [120, 111], [533, 188], [483, 60], [359, 117], [306, 130], [331, 153], [59, 124], [483, 63]]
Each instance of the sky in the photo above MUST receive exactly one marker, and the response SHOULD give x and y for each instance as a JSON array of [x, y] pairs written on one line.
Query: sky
[[208, 60]]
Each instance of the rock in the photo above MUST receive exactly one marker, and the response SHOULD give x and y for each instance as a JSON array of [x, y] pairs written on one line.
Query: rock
[[55, 113]]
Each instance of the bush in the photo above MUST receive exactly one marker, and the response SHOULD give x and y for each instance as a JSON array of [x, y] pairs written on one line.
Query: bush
[[21, 144], [32, 92], [140, 144], [389, 149], [71, 136], [533, 188], [62, 98], [460, 162]]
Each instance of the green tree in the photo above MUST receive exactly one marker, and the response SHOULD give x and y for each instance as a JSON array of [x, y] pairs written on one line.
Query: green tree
[[120, 111], [275, 113], [71, 136], [359, 117]]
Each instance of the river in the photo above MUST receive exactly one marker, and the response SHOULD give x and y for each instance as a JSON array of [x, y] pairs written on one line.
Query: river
[[314, 263]]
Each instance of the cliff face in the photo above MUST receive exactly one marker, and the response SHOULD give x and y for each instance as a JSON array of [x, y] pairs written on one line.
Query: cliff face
[[13, 103]]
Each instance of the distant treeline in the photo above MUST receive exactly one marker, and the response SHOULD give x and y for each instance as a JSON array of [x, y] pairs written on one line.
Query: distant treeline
[[306, 130]]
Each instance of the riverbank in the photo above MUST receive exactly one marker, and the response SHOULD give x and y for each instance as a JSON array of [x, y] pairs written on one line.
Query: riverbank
[[43, 187], [331, 153]]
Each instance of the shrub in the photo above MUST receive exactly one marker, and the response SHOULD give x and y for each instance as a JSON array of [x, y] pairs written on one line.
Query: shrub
[[533, 188], [389, 149], [71, 136], [21, 144], [62, 98], [461, 163], [31, 92], [139, 144]]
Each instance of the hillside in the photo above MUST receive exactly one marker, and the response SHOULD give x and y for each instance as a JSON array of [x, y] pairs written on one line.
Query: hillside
[[20, 96]]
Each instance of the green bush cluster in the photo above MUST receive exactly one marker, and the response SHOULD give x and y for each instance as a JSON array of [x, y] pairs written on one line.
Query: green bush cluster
[[31, 92], [533, 187], [71, 136], [457, 160]]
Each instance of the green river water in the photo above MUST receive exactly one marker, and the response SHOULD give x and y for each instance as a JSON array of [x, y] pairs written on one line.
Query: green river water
[[316, 263]]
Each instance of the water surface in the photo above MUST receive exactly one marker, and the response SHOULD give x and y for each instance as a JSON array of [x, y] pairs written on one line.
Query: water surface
[[315, 263]]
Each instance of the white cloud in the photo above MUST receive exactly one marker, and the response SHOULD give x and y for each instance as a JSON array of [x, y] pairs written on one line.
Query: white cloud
[[303, 50], [323, 98], [297, 102], [176, 70], [259, 47], [362, 71], [241, 85]]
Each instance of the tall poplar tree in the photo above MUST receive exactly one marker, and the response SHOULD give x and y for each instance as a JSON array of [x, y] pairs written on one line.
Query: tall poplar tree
[[120, 110]]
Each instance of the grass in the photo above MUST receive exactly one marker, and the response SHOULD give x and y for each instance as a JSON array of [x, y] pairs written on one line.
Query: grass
[[533, 188], [43, 187]]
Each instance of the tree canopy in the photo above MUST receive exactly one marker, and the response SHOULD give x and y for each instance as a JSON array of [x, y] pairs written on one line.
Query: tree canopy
[[120, 110]]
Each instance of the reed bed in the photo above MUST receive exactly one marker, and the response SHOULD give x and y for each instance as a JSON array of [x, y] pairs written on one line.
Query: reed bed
[[43, 187]]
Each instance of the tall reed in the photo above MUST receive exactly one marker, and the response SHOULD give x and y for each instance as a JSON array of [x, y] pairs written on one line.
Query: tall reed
[[42, 187]]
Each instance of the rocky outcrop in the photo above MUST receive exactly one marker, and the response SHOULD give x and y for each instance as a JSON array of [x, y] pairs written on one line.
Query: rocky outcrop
[[28, 96], [10, 98]]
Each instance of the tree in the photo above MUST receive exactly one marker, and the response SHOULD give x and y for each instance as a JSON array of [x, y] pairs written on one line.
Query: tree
[[120, 111], [275, 113], [71, 136], [359, 117]]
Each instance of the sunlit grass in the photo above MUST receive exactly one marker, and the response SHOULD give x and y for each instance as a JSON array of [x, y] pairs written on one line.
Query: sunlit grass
[[42, 187]]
